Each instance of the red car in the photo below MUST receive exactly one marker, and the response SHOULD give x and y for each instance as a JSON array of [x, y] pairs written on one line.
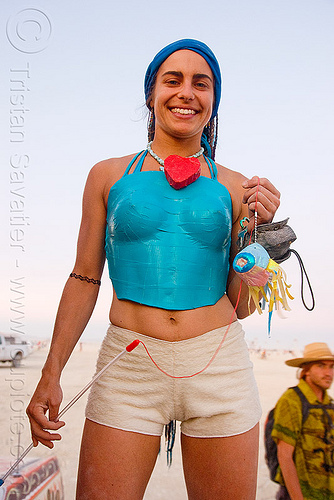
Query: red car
[[36, 479]]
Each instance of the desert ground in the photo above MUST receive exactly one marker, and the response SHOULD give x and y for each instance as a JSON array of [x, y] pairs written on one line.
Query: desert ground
[[17, 385]]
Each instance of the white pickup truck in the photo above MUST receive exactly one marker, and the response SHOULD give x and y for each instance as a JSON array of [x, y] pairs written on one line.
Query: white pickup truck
[[13, 348]]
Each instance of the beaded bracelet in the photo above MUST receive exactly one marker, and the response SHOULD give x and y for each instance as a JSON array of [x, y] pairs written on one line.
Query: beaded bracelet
[[85, 278]]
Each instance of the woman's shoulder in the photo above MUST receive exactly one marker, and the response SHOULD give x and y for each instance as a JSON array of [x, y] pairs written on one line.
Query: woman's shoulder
[[112, 166], [111, 169], [233, 181], [105, 173], [232, 176]]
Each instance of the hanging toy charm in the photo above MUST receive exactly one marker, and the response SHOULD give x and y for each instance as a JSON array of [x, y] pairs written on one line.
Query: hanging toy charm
[[257, 269], [263, 276]]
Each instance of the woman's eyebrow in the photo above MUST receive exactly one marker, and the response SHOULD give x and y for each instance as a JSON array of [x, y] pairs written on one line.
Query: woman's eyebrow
[[173, 73], [180, 74], [202, 75]]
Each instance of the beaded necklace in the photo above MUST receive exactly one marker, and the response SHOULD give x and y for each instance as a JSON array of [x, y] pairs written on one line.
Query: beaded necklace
[[162, 162]]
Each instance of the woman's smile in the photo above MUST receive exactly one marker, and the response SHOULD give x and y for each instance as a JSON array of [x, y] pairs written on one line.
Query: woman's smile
[[183, 111]]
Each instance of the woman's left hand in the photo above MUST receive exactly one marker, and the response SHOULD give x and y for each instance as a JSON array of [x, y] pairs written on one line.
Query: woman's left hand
[[262, 195]]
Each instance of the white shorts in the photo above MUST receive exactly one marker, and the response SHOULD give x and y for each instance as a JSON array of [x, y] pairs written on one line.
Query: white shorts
[[134, 395]]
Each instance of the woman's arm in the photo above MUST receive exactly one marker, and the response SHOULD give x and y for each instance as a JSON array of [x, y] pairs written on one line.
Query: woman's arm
[[75, 308], [289, 471]]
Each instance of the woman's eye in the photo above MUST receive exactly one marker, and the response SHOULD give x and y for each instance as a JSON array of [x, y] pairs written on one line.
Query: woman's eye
[[202, 85]]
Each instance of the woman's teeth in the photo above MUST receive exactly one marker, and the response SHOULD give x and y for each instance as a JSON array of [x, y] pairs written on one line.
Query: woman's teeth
[[183, 111]]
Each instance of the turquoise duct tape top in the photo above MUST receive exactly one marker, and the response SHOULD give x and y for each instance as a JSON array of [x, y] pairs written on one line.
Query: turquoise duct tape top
[[168, 248]]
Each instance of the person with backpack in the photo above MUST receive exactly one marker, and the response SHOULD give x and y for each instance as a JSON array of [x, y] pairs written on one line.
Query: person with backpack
[[303, 429]]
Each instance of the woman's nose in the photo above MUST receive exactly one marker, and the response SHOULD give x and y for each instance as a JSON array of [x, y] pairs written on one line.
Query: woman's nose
[[186, 91]]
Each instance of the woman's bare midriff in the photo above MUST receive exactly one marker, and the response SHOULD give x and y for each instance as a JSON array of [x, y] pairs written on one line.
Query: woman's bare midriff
[[171, 325]]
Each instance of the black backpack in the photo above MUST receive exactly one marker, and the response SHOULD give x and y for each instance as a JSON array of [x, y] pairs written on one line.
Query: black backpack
[[269, 443]]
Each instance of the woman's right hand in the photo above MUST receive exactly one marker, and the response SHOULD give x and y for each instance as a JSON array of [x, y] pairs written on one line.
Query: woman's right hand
[[46, 399]]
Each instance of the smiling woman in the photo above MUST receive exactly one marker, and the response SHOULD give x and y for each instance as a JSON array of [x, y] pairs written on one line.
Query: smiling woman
[[166, 219], [210, 132], [182, 98]]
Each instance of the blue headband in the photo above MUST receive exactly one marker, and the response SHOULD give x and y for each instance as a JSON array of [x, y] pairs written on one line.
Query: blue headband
[[186, 44]]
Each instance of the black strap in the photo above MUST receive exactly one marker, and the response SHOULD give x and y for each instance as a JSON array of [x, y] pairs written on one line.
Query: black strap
[[303, 271], [304, 401], [307, 406]]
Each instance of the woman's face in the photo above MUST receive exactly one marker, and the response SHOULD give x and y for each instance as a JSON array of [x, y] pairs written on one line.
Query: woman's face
[[183, 95]]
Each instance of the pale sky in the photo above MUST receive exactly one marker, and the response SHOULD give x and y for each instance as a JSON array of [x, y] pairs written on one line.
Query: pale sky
[[72, 94]]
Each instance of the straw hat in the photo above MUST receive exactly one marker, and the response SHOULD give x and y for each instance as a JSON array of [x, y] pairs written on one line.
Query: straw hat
[[317, 351]]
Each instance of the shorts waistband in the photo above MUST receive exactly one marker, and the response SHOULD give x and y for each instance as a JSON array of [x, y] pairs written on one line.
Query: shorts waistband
[[207, 341], [205, 344]]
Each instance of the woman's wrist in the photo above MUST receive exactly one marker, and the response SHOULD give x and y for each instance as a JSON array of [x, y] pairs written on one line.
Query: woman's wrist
[[52, 368]]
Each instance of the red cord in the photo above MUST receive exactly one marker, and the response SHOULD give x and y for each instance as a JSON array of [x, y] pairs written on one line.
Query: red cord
[[214, 355]]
